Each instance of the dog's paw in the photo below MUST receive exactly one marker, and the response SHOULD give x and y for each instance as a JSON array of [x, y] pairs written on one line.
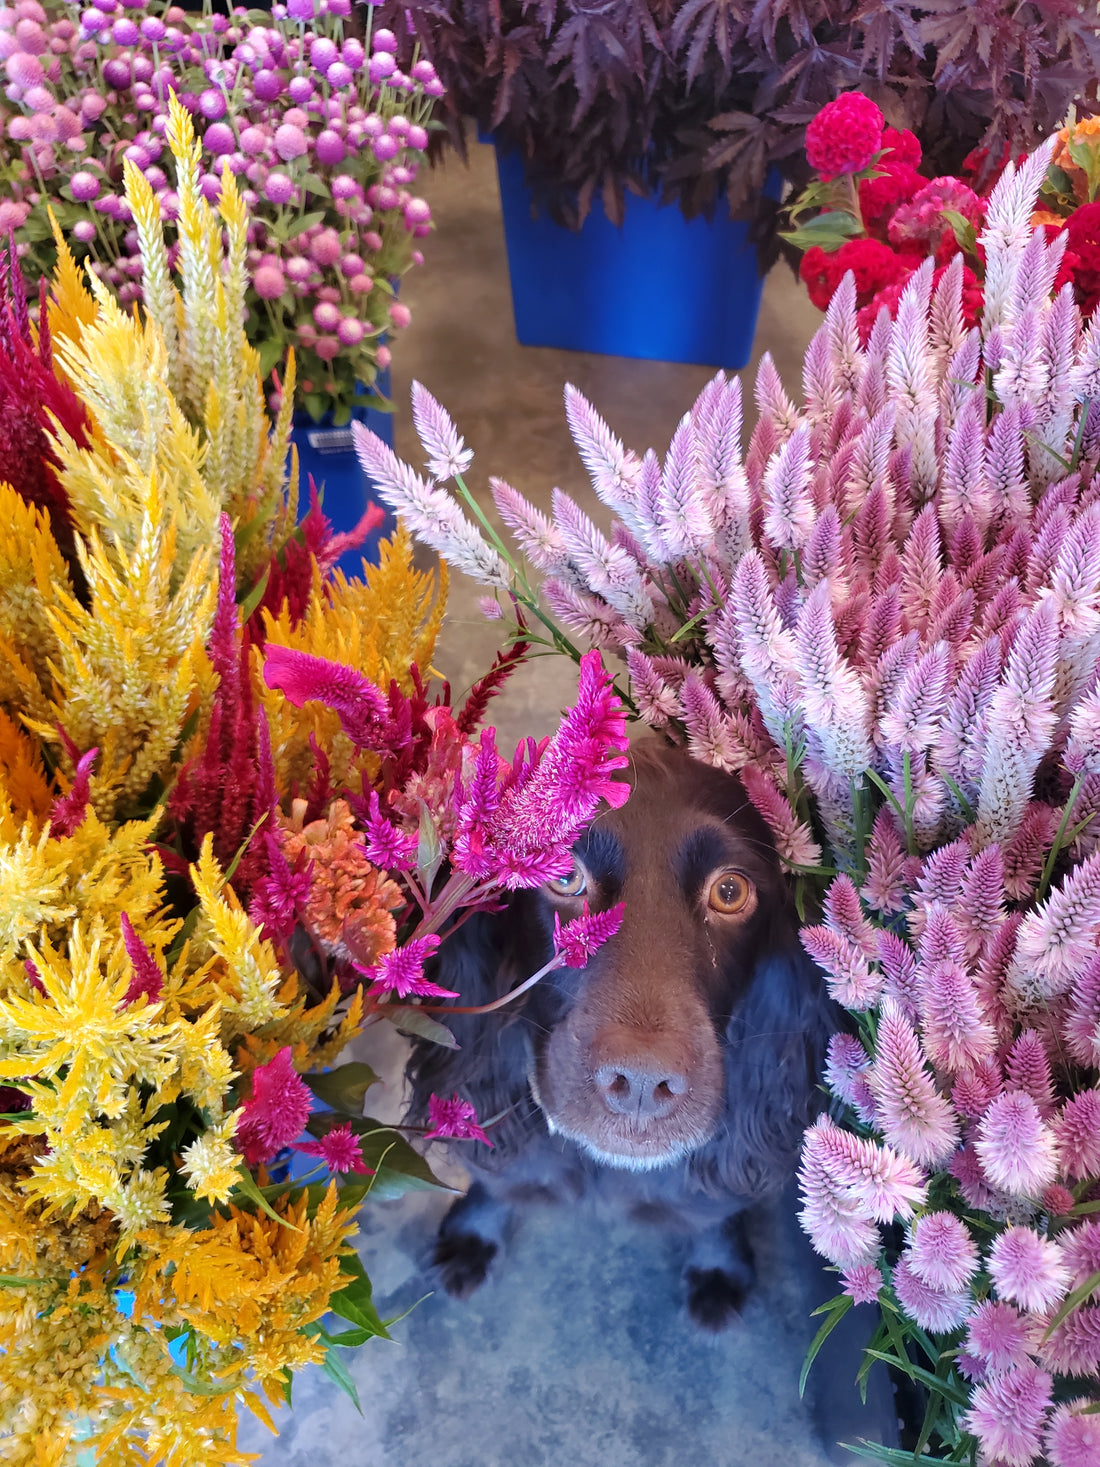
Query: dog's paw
[[463, 1261], [714, 1297]]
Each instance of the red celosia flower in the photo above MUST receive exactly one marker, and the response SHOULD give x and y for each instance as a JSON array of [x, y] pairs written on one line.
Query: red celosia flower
[[920, 221], [879, 197], [1082, 257], [402, 971], [340, 1149], [69, 810], [276, 1112], [844, 136], [874, 265], [579, 939], [454, 1118], [899, 145], [147, 979]]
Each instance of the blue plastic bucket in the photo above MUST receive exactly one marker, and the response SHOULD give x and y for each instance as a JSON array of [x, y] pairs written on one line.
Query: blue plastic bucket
[[663, 288], [328, 453]]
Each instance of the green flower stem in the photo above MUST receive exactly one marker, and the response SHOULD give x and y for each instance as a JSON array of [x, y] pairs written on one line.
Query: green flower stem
[[1059, 840]]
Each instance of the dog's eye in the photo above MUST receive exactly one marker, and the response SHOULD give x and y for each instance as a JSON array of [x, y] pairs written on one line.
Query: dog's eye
[[572, 885], [729, 893]]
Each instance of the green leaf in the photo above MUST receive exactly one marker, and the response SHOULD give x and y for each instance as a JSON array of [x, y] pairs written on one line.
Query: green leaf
[[307, 221], [316, 405], [271, 353], [337, 1371], [397, 1167], [200, 1387], [1087, 156], [876, 1452], [355, 1301], [1071, 1301], [316, 185], [838, 1308], [288, 1384], [343, 1089], [255, 596], [826, 231], [13, 1281], [966, 236], [247, 1187], [411, 1020], [918, 1372]]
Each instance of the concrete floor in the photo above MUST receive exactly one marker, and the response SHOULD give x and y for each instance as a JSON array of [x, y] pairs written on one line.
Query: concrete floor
[[577, 1352]]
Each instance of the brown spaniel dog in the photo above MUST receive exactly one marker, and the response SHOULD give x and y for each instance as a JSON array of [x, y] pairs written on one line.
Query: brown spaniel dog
[[674, 1074]]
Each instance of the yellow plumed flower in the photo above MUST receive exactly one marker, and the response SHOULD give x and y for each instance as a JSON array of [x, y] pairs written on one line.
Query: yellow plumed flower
[[211, 1164], [31, 566]]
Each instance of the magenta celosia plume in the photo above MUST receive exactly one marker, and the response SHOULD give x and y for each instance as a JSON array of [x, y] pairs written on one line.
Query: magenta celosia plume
[[276, 1111]]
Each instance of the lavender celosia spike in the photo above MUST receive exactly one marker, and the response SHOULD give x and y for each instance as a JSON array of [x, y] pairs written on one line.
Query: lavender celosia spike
[[1083, 747], [789, 510], [981, 906], [647, 510], [922, 567], [912, 1115], [1022, 375], [684, 516], [1077, 1136], [843, 331], [1005, 467], [587, 614], [1027, 1068], [833, 697], [1075, 592], [954, 1031], [899, 968], [767, 648], [886, 677], [1056, 942], [887, 1185], [914, 714], [1081, 1024], [1088, 362], [870, 459], [1026, 852], [819, 386], [872, 396], [959, 748], [1008, 1415], [710, 736], [1007, 234], [947, 327], [962, 378], [1058, 409], [718, 421], [538, 536], [910, 378], [1016, 1149], [964, 488], [793, 839], [607, 571], [430, 513], [883, 624], [942, 1252], [941, 940], [845, 1073], [657, 701], [1018, 727], [851, 981], [772, 402], [824, 557], [1039, 266], [612, 468], [888, 867], [448, 455]]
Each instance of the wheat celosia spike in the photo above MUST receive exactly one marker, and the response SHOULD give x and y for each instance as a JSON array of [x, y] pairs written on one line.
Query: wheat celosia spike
[[767, 648], [1081, 1023], [658, 703], [833, 698], [606, 571], [922, 566], [718, 421], [448, 455], [1016, 1149], [913, 715], [947, 329], [709, 735], [912, 1115], [1007, 234], [955, 1034], [789, 511], [684, 517], [1008, 1414], [1057, 940], [843, 332], [819, 387], [824, 557], [964, 489], [612, 468], [538, 536], [846, 1066], [1077, 1136], [793, 839]]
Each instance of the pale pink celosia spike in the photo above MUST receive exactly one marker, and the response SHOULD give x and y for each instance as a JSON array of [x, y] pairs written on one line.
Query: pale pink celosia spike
[[448, 455], [870, 533], [911, 380], [1058, 940], [913, 717], [1007, 234], [886, 676], [1058, 407], [884, 887], [763, 443], [1026, 852], [657, 702], [824, 557], [913, 1116], [1039, 266], [990, 977], [1008, 1414], [612, 469], [1016, 1149], [1027, 1068], [1077, 1136], [941, 940], [849, 976], [1000, 1336], [870, 460], [607, 572], [718, 421], [980, 908], [793, 839], [772, 401], [1073, 1347], [1047, 545], [833, 698], [789, 509], [647, 513], [882, 625], [835, 1212], [819, 386], [1028, 1269], [952, 624], [888, 1185], [539, 538], [975, 1088], [899, 968], [955, 1034], [1005, 467], [767, 648], [934, 1309], [921, 567], [965, 1167], [684, 517], [1083, 746], [861, 1283], [964, 372], [844, 914], [846, 1066], [1088, 362], [1019, 725], [947, 328], [941, 1251], [941, 880], [843, 330], [586, 614], [1075, 582], [1081, 1025], [872, 395], [709, 734], [964, 489], [1073, 1436]]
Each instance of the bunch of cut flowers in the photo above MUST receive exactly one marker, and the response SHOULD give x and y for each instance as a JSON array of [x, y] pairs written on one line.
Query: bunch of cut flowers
[[320, 126], [234, 824], [871, 211], [884, 614]]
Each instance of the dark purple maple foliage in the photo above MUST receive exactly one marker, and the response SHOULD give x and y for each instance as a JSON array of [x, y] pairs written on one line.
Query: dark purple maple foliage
[[696, 99]]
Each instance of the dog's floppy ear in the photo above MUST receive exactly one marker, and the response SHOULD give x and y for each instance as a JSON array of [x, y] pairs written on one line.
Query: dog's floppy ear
[[774, 1050], [481, 960]]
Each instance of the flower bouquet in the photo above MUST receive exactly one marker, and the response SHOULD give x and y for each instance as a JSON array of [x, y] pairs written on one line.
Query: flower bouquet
[[872, 212], [885, 615], [322, 129], [234, 823]]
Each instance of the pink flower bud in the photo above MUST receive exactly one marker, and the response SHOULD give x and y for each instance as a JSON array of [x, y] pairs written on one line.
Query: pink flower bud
[[326, 315], [351, 265], [400, 315], [269, 282], [418, 211], [13, 215], [24, 70], [383, 356], [381, 66], [417, 257], [124, 32], [373, 125], [350, 331], [300, 9], [298, 269], [373, 240], [323, 53], [353, 54], [423, 71], [346, 187], [290, 141], [83, 230], [418, 137], [327, 347], [330, 148], [38, 99], [326, 248], [84, 186], [339, 7], [19, 129]]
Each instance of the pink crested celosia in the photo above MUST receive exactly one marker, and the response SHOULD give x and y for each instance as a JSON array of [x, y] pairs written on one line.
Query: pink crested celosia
[[862, 1283], [1081, 1250], [1008, 1415], [69, 809], [275, 1113], [1077, 1135], [934, 1309], [576, 941], [147, 978], [401, 971], [1081, 1025], [941, 1251], [1028, 1269], [455, 1119], [340, 1149], [365, 713], [386, 844], [1000, 1336], [955, 1034], [1073, 1436], [912, 1114], [1017, 1151]]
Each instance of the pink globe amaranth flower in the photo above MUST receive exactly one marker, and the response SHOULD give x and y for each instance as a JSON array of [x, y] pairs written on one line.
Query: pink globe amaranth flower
[[1077, 1135], [1073, 1438], [267, 85], [400, 315], [253, 141], [83, 230], [124, 32], [326, 315], [418, 138], [322, 53], [386, 148], [327, 347], [346, 187], [153, 28], [340, 1149], [339, 75], [300, 89], [383, 356], [385, 41], [298, 268], [278, 188], [844, 136], [212, 104], [423, 71], [862, 1283], [19, 129], [301, 9], [276, 1111], [218, 139], [84, 186], [372, 240], [329, 147], [932, 1309], [39, 99], [1008, 1415], [1028, 1269], [24, 70], [325, 247], [941, 1251], [351, 265], [350, 332], [418, 211], [290, 141], [269, 282], [455, 1118], [1000, 1336], [1016, 1149], [360, 285]]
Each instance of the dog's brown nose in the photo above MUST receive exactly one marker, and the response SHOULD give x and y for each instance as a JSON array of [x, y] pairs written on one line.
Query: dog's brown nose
[[643, 1082]]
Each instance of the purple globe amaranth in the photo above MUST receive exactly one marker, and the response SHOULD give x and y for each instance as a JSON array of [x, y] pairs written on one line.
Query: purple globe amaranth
[[322, 53], [267, 85], [329, 147], [219, 139], [84, 186], [300, 89], [268, 282], [339, 75], [326, 248], [254, 140], [212, 104], [350, 331], [279, 188], [290, 141], [300, 9], [326, 315]]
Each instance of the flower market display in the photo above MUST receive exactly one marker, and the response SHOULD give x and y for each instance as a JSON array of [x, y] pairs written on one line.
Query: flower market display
[[871, 211], [234, 824], [320, 126], [697, 101], [884, 614]]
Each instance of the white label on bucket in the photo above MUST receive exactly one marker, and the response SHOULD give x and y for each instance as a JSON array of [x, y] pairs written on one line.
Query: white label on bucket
[[330, 440]]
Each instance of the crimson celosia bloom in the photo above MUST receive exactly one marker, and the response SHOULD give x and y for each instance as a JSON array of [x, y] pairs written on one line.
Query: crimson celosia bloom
[[402, 971], [275, 1113], [874, 264], [147, 978], [69, 809], [455, 1119], [844, 136], [1008, 1414], [576, 941], [340, 1149]]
